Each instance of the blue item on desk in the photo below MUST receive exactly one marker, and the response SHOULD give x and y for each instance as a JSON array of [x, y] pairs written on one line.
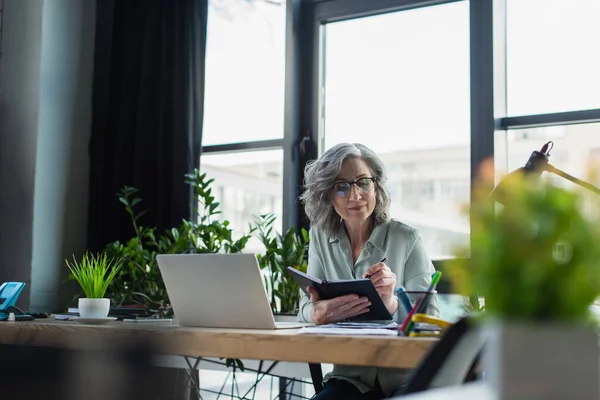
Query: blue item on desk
[[403, 298], [9, 293]]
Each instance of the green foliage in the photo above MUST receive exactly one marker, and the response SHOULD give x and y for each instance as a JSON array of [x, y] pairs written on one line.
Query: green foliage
[[140, 281], [536, 257], [94, 273], [282, 251]]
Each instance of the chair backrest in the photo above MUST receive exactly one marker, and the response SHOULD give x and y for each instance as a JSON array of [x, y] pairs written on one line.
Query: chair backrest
[[316, 374], [450, 362]]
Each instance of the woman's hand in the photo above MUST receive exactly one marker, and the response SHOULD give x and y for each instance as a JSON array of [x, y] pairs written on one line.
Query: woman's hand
[[384, 281], [336, 309]]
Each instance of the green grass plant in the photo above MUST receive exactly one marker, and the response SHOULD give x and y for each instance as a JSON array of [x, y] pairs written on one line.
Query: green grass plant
[[94, 272]]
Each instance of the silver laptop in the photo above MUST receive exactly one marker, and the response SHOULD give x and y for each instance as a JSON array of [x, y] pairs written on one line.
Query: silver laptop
[[218, 291]]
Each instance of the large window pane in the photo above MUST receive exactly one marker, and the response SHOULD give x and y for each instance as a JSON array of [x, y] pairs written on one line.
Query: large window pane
[[245, 59], [553, 57], [576, 150], [247, 185], [399, 83]]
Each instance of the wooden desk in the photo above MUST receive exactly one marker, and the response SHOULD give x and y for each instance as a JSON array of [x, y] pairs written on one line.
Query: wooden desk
[[170, 339]]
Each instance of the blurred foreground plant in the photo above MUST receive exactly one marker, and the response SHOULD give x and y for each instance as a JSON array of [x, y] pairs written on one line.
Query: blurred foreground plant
[[534, 257]]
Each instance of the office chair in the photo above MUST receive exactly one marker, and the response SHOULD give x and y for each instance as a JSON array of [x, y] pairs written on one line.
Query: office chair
[[452, 361]]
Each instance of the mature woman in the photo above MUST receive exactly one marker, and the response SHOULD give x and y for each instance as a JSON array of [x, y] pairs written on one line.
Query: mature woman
[[347, 202]]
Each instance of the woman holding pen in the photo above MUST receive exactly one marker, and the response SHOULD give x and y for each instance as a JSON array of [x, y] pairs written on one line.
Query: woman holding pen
[[351, 237]]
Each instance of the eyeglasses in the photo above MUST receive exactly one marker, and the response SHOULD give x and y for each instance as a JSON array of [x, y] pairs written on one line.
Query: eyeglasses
[[343, 188]]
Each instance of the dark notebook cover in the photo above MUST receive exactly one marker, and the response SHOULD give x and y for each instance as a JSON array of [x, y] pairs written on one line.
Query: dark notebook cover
[[330, 289]]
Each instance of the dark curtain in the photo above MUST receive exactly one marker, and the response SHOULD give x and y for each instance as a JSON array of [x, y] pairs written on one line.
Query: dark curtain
[[147, 112]]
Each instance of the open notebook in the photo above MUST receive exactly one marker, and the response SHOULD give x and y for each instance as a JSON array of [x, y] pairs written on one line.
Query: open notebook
[[331, 289]]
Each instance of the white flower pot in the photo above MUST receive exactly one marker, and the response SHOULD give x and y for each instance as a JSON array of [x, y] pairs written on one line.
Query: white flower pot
[[93, 308], [541, 361]]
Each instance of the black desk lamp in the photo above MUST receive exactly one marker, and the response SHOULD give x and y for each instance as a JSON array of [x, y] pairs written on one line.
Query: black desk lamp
[[538, 163]]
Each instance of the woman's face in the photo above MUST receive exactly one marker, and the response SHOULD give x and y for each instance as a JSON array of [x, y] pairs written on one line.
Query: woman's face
[[350, 202]]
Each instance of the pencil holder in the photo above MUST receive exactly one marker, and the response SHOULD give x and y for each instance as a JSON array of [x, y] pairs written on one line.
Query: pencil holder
[[411, 302]]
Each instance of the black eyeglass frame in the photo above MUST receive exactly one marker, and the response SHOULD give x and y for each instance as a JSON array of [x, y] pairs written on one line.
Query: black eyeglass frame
[[355, 182]]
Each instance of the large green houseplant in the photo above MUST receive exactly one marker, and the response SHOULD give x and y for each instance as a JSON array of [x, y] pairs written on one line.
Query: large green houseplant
[[535, 260], [281, 251], [139, 282]]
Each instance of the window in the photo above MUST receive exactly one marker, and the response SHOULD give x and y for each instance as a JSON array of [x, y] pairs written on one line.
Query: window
[[574, 151], [399, 83], [245, 60], [243, 106], [246, 185], [552, 55]]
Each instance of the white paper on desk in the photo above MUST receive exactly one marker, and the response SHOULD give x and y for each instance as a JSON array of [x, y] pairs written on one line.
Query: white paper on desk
[[363, 325], [326, 330]]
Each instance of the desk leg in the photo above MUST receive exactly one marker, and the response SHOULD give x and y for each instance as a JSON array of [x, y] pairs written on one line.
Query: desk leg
[[283, 383], [290, 389], [193, 378]]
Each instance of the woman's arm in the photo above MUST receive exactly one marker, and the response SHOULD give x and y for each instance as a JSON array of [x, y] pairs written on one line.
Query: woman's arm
[[320, 311]]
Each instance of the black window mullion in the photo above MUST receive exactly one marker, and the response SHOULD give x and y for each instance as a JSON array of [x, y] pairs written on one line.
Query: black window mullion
[[340, 10], [244, 146], [482, 84], [541, 120]]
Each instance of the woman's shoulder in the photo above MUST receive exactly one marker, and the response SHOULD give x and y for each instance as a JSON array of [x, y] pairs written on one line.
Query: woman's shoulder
[[318, 235], [398, 228]]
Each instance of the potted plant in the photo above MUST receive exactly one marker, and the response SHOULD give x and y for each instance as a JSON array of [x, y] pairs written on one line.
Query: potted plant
[[535, 260], [94, 274]]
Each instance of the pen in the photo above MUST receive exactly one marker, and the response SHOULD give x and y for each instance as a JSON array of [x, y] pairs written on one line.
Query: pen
[[384, 259]]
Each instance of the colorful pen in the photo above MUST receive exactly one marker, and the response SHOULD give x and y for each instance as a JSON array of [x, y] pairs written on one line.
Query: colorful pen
[[403, 298], [407, 320], [421, 306], [435, 278]]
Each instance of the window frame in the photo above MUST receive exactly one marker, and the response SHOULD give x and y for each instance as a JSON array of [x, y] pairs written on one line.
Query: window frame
[[504, 122], [318, 13]]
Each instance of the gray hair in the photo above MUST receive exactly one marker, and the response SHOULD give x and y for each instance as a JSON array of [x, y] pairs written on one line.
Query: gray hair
[[320, 175]]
